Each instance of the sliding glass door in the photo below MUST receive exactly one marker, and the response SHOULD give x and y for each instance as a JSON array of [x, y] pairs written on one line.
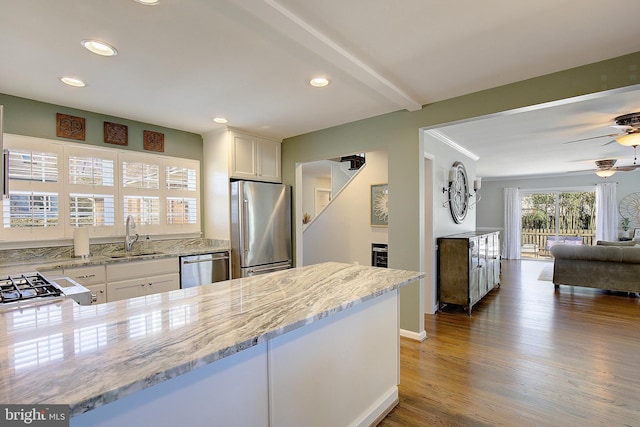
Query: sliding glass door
[[553, 217]]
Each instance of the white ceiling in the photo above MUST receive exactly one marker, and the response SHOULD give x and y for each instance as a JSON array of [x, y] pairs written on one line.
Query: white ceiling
[[182, 62]]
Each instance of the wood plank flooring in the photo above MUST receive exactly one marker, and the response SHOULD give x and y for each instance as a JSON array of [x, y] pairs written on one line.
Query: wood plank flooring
[[528, 356]]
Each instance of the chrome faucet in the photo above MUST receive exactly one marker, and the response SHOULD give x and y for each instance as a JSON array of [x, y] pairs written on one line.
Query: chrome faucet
[[128, 240]]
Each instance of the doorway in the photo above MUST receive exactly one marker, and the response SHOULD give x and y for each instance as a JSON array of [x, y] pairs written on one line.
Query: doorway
[[553, 217]]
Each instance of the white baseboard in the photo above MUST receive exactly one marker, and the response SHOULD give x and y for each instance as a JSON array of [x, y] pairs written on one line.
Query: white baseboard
[[414, 335], [379, 409]]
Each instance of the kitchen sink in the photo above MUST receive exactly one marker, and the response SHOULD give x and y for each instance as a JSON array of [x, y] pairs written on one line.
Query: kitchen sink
[[133, 254]]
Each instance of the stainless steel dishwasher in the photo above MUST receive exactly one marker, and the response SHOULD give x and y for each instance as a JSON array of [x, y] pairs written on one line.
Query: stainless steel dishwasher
[[196, 270]]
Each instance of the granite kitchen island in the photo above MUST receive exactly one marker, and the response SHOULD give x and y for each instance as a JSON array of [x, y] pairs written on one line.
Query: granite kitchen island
[[317, 345]]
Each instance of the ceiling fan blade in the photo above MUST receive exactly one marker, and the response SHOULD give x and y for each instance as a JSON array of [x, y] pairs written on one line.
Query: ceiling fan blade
[[593, 137], [627, 168], [623, 128]]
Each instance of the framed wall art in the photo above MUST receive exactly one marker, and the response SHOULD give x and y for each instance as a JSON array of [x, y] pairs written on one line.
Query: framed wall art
[[153, 141], [379, 205], [71, 127], [115, 133]]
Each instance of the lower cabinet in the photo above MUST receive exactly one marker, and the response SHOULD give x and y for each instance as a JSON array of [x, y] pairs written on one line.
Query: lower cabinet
[[140, 278], [132, 288], [91, 277], [468, 267]]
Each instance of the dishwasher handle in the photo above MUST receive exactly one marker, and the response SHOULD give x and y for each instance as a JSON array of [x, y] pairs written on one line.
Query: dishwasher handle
[[212, 258]]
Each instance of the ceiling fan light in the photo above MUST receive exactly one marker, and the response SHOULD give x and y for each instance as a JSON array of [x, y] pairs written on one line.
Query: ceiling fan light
[[630, 139], [605, 173]]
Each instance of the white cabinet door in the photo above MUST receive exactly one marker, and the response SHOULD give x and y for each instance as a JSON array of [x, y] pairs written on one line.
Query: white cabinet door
[[164, 283], [125, 289], [139, 278], [243, 156], [254, 158], [269, 160]]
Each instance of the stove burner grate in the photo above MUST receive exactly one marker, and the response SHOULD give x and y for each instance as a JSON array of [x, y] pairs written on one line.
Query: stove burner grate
[[24, 287]]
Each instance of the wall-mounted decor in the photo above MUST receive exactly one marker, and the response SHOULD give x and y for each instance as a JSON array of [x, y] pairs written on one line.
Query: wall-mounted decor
[[380, 205], [153, 141], [71, 127], [458, 192], [115, 133]]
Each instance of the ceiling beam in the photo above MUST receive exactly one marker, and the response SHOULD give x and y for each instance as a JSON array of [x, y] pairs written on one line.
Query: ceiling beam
[[287, 23]]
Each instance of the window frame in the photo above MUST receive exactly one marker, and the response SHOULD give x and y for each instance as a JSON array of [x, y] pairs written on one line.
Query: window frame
[[64, 189]]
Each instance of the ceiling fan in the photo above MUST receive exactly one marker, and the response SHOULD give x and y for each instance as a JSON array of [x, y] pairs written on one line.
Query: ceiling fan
[[628, 126], [607, 167]]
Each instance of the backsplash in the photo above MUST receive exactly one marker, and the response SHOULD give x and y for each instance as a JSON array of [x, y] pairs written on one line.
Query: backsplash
[[35, 255]]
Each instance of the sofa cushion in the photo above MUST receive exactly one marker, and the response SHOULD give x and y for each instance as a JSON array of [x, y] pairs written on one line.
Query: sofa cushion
[[597, 253], [610, 243]]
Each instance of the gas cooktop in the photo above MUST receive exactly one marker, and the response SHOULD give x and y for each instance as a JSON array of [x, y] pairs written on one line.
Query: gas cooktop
[[22, 289]]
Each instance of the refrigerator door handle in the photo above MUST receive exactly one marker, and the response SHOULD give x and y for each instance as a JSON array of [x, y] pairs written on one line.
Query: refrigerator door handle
[[273, 267], [245, 228], [5, 177]]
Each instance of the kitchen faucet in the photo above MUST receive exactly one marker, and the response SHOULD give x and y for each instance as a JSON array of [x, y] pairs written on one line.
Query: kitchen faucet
[[128, 240]]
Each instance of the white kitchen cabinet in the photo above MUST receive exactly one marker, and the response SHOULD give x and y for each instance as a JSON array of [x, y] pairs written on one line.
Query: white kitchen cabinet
[[252, 157], [143, 286], [140, 278], [92, 277]]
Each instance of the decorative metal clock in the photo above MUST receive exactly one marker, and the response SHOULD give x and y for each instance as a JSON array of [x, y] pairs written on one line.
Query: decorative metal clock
[[630, 207], [458, 192]]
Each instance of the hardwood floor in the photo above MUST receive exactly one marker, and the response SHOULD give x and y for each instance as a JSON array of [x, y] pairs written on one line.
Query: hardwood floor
[[529, 356]]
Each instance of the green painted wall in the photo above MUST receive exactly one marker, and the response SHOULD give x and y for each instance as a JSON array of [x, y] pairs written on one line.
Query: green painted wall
[[33, 118], [399, 133]]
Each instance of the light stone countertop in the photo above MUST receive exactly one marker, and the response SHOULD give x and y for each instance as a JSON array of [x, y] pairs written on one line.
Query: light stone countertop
[[88, 356], [19, 261]]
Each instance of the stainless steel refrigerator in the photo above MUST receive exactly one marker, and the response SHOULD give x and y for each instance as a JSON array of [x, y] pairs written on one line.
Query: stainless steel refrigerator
[[260, 228]]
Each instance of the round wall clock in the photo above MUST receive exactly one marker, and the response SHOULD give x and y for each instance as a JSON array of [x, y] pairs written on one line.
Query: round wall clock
[[630, 207], [459, 193]]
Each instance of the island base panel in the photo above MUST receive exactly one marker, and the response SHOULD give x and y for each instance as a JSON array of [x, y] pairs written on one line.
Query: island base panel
[[229, 392], [342, 370]]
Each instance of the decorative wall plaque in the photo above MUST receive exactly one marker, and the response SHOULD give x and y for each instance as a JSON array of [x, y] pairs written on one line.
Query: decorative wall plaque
[[380, 205], [71, 127], [116, 134], [153, 141]]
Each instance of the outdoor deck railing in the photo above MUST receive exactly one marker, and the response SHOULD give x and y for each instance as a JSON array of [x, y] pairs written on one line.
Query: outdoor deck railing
[[541, 240]]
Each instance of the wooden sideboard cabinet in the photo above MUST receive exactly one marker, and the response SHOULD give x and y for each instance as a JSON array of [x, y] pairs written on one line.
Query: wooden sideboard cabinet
[[468, 267]]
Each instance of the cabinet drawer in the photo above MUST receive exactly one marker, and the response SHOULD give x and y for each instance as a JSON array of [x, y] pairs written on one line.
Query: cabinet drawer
[[135, 269], [91, 275]]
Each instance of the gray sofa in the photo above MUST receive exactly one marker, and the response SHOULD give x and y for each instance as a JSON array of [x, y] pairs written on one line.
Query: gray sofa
[[613, 266]]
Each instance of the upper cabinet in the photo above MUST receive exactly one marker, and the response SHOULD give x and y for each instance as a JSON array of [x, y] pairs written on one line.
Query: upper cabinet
[[255, 158]]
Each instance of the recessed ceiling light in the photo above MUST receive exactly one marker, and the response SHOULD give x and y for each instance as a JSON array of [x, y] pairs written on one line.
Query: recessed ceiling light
[[72, 81], [220, 120], [99, 48], [318, 82], [148, 2]]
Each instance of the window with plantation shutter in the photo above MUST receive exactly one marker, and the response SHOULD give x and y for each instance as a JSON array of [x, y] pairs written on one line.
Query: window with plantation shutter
[[55, 186], [34, 166], [97, 210], [182, 201], [181, 178], [90, 171], [91, 184], [140, 175], [145, 210], [30, 209], [33, 210], [181, 211]]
